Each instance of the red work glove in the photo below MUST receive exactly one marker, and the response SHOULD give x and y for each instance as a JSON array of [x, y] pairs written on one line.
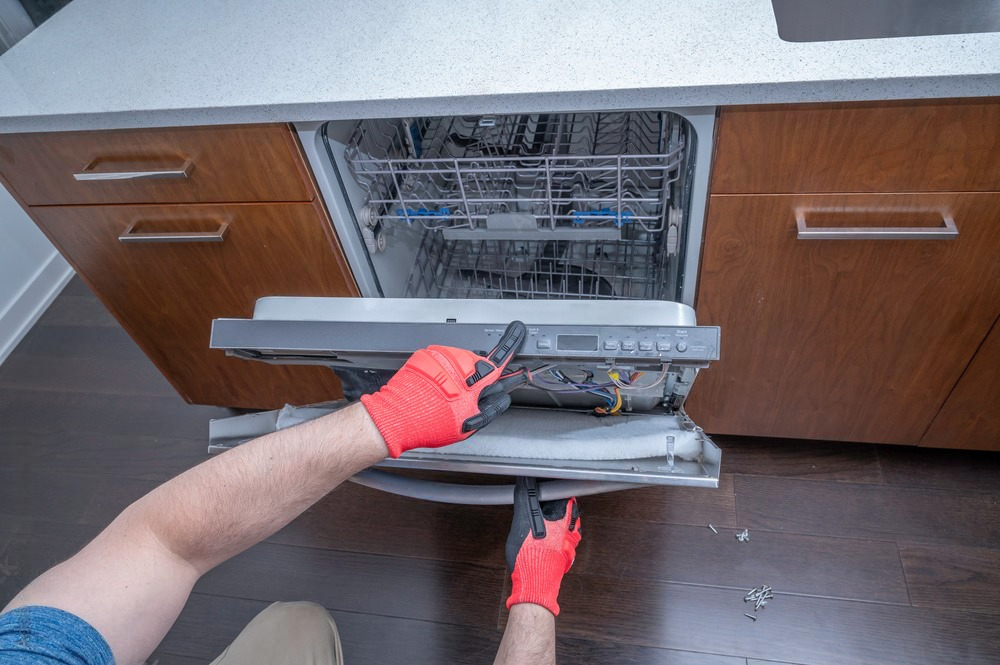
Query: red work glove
[[443, 394], [541, 546]]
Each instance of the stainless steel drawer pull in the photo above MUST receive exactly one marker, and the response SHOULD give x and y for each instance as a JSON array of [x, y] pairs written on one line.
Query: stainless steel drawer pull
[[130, 235], [90, 173], [947, 232]]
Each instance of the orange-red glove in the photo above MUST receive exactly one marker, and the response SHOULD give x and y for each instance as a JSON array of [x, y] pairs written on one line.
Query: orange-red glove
[[443, 394], [541, 546]]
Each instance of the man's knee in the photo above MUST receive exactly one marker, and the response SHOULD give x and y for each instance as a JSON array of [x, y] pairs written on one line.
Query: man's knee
[[300, 614], [298, 632]]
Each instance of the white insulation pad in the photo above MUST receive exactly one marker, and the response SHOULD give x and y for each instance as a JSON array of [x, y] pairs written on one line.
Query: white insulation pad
[[570, 435]]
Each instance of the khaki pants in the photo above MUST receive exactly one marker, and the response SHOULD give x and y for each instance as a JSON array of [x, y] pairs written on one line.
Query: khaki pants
[[286, 634]]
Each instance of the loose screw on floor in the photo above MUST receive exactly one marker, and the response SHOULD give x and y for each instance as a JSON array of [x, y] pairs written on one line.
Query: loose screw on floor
[[759, 598]]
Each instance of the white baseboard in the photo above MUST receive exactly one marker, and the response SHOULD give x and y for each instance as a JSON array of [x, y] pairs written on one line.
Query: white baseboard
[[28, 305]]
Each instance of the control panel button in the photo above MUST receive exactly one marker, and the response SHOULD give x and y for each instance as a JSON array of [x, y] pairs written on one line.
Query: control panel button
[[681, 347], [544, 344], [610, 345], [645, 346], [628, 346], [663, 346]]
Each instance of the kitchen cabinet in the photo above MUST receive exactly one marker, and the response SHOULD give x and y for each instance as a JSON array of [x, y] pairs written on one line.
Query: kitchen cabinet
[[167, 293], [854, 339], [167, 255], [970, 417]]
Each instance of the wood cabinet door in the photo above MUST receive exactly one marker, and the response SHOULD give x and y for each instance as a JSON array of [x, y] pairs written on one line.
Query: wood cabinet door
[[852, 340], [970, 418], [196, 263]]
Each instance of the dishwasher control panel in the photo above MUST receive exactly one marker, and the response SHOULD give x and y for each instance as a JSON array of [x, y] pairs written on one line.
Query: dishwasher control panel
[[681, 343]]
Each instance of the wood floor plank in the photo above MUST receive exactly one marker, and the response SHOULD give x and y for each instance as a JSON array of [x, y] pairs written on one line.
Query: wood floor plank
[[576, 650], [795, 629], [82, 359], [404, 527], [367, 583], [90, 453], [106, 414], [72, 342], [368, 639], [122, 376], [794, 458], [29, 493], [952, 576], [668, 505], [941, 469], [850, 510], [77, 311], [809, 565]]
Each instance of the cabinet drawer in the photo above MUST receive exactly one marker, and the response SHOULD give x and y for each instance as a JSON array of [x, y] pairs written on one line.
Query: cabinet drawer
[[166, 271], [843, 339], [174, 165], [934, 145]]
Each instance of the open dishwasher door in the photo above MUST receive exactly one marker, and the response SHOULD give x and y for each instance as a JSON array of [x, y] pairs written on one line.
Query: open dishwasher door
[[605, 400]]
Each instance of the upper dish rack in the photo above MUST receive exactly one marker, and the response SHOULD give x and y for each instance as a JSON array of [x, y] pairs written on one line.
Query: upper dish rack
[[529, 177]]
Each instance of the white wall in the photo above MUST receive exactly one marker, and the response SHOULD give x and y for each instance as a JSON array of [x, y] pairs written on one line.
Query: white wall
[[14, 23], [31, 273]]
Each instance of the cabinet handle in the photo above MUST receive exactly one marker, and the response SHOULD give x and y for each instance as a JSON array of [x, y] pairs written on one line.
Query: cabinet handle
[[90, 173], [129, 235], [947, 232]]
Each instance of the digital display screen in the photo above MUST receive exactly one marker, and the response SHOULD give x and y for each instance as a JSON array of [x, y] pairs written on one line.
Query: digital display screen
[[576, 342]]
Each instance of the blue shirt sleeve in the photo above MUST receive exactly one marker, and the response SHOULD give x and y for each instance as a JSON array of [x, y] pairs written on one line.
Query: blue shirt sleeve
[[37, 635]]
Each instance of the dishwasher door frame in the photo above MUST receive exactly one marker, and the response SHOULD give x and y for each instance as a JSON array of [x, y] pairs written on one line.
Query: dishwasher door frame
[[335, 183]]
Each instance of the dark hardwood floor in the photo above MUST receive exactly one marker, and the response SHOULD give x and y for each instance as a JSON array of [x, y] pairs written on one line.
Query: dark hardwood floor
[[876, 554]]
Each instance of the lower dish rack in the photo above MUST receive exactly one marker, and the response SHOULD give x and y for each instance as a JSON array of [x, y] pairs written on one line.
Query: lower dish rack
[[630, 268]]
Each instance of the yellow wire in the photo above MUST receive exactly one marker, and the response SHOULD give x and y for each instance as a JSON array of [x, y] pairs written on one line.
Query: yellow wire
[[614, 409]]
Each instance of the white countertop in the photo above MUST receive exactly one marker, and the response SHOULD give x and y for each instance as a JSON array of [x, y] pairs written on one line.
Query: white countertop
[[140, 63]]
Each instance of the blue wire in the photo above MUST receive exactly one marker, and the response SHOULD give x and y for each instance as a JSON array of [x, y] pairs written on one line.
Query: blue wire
[[592, 388]]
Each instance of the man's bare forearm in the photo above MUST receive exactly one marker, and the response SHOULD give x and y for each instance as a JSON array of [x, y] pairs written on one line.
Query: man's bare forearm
[[529, 638], [225, 505]]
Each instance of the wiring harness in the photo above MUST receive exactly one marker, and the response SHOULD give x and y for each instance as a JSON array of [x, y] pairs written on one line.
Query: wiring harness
[[553, 379]]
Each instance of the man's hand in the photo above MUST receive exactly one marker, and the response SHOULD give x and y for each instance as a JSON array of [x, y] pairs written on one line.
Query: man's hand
[[541, 546], [443, 394]]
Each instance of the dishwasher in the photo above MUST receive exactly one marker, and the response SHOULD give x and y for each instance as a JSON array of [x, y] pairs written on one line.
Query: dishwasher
[[587, 227]]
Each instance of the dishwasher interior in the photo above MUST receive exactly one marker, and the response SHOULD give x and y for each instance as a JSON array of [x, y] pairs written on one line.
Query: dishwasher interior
[[596, 205]]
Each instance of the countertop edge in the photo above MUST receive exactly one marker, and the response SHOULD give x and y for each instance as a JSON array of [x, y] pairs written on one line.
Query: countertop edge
[[846, 90]]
